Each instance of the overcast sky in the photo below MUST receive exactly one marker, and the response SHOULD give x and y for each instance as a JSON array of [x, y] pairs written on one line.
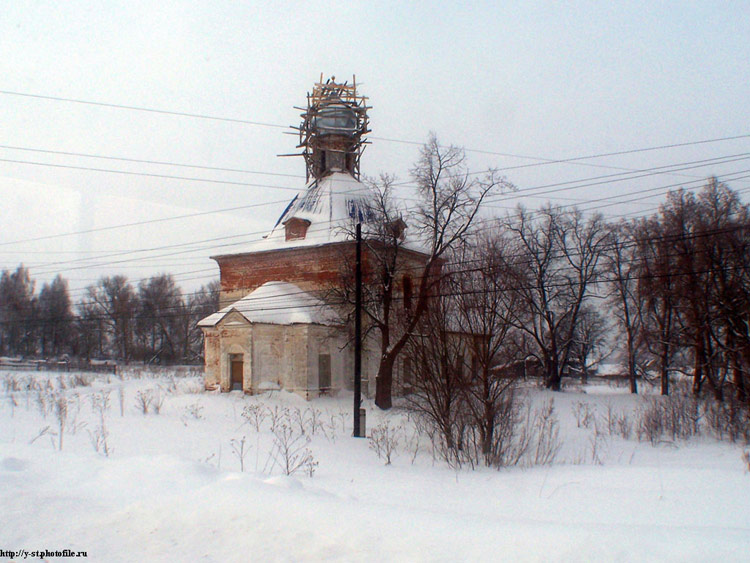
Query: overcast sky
[[516, 86]]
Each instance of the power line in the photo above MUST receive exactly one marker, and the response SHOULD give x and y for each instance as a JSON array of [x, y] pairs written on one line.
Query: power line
[[341, 302], [514, 195], [608, 179], [155, 162], [147, 174], [321, 227], [145, 109], [544, 161], [576, 159], [145, 222], [567, 254]]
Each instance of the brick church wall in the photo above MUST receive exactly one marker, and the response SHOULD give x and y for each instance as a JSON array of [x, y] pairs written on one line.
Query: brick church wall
[[312, 268]]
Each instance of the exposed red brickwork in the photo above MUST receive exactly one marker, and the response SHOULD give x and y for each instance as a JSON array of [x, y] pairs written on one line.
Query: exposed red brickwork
[[312, 268], [296, 228]]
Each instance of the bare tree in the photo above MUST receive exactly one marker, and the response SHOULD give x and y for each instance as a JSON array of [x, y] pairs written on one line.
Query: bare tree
[[55, 317], [399, 278], [440, 377], [589, 340], [657, 289], [17, 312], [722, 229], [113, 300], [159, 304], [622, 267], [486, 300], [558, 261], [91, 335], [694, 277], [199, 304]]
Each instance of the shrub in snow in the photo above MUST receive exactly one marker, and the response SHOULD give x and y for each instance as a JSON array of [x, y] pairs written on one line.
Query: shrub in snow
[[240, 448], [314, 420], [44, 402], [412, 443], [149, 399], [43, 432], [11, 383], [99, 439], [277, 416], [595, 442], [194, 411], [729, 419], [80, 380], [290, 451], [384, 440], [650, 425], [299, 418], [585, 414], [254, 414], [624, 426], [616, 422], [61, 412], [100, 404], [158, 400], [501, 445], [546, 435], [506, 432], [171, 384], [13, 404], [336, 419], [674, 417]]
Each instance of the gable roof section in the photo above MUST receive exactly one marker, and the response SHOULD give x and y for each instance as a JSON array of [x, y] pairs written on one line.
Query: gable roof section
[[278, 303]]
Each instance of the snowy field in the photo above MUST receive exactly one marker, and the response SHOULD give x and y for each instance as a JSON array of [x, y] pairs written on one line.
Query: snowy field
[[200, 481]]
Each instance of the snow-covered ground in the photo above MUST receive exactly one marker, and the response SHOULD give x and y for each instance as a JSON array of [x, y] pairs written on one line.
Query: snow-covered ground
[[172, 488]]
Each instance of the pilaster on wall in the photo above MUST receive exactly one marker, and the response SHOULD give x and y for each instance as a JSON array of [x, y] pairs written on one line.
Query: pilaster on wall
[[212, 355]]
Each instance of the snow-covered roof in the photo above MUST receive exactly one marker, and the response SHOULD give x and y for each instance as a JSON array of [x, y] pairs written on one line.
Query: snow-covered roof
[[278, 303], [332, 205]]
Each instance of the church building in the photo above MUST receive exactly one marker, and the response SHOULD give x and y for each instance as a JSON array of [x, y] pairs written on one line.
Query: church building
[[277, 327]]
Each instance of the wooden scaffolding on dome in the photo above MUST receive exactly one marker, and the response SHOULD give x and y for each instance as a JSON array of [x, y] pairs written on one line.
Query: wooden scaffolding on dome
[[334, 123]]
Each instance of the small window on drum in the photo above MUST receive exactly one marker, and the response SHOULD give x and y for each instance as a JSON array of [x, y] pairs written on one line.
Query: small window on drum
[[296, 228]]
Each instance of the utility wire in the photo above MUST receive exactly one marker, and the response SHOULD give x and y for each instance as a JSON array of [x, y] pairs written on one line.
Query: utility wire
[[155, 162], [342, 302], [148, 174], [320, 227], [567, 254], [544, 161], [537, 191], [145, 109], [146, 222]]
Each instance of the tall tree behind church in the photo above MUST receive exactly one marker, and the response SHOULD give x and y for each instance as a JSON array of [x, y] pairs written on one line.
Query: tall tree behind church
[[449, 200], [17, 312], [55, 317]]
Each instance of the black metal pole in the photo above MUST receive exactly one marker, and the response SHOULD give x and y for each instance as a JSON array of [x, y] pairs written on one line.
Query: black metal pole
[[358, 333]]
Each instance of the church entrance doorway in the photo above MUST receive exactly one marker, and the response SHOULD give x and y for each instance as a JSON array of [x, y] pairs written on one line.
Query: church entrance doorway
[[324, 372], [236, 369]]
